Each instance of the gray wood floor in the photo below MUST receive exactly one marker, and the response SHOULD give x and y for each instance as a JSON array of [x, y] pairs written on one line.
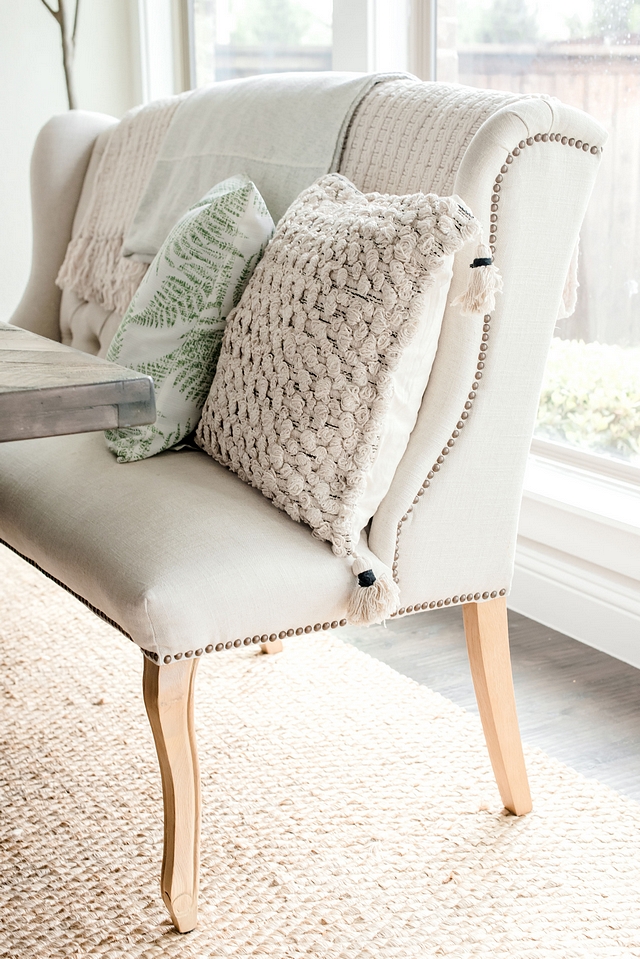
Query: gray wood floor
[[579, 705]]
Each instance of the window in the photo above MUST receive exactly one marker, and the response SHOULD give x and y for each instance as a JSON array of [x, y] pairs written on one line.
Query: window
[[240, 38], [586, 53]]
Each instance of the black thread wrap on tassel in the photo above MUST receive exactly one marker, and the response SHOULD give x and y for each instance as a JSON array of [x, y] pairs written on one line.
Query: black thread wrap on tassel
[[481, 261], [367, 578]]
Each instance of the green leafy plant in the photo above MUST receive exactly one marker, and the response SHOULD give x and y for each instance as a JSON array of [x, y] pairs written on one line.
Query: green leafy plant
[[615, 18], [591, 398]]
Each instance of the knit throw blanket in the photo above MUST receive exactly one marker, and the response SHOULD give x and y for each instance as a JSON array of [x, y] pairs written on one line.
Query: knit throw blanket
[[410, 137], [282, 130], [393, 137], [93, 266]]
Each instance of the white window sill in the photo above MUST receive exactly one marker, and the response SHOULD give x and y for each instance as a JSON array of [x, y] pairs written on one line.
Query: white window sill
[[578, 553]]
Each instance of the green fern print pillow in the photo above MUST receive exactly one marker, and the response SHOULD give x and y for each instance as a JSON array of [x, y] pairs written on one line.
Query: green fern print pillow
[[173, 328]]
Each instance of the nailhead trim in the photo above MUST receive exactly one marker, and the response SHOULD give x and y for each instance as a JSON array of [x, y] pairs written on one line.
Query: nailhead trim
[[247, 641], [482, 355], [190, 653], [449, 601]]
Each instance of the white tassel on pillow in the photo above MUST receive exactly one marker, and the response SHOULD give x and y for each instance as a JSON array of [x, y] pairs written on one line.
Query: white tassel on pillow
[[374, 598], [484, 283]]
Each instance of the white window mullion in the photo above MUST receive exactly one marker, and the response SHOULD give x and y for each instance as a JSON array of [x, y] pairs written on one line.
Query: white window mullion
[[368, 36], [390, 34], [352, 35], [372, 35], [164, 40], [423, 38], [184, 66]]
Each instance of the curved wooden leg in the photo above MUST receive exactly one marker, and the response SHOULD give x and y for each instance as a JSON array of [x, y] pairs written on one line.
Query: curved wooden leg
[[168, 698], [487, 632]]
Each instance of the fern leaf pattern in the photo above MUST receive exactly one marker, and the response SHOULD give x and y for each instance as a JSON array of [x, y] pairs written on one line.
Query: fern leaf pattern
[[173, 328]]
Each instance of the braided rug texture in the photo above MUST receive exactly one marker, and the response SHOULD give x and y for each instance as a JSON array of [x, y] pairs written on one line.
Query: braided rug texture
[[348, 813]]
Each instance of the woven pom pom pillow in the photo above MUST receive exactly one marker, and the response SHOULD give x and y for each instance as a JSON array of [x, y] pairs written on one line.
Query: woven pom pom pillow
[[325, 360], [173, 328]]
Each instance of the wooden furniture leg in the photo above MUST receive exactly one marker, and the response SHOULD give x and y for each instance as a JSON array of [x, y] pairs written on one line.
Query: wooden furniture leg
[[168, 698], [274, 647], [487, 633]]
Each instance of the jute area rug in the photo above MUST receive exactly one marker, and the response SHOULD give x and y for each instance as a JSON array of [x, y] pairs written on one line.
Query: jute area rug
[[349, 813]]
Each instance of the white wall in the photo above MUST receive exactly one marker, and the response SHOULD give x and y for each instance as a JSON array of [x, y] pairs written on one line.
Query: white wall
[[32, 89], [578, 554]]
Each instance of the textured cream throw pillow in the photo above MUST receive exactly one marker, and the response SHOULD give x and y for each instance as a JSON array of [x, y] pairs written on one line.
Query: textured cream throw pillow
[[325, 359], [173, 328]]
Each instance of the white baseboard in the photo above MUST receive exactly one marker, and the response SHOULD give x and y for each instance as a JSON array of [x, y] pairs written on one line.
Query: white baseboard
[[577, 598]]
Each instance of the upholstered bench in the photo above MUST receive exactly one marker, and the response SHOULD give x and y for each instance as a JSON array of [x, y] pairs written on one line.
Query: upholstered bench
[[188, 561]]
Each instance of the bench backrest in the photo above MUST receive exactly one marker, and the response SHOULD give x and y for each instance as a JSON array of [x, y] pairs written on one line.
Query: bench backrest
[[517, 163]]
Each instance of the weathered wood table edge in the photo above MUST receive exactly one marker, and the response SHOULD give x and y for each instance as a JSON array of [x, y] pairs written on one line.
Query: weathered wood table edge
[[48, 389]]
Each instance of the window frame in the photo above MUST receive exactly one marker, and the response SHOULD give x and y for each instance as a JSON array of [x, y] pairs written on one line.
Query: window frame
[[379, 48], [162, 32], [558, 585]]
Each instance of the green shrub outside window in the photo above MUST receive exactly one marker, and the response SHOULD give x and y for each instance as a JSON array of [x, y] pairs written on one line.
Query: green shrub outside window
[[591, 398]]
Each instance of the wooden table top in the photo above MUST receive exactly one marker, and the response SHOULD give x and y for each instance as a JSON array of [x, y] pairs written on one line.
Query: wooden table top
[[47, 389]]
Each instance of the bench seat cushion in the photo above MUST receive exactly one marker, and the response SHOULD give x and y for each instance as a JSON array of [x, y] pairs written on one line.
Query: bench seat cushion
[[175, 549]]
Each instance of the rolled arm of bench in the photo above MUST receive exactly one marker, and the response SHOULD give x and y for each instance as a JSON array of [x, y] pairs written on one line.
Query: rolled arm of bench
[[449, 522], [58, 165]]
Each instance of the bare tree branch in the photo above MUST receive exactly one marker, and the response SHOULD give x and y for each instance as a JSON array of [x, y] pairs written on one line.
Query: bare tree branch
[[54, 13], [68, 40], [75, 24], [68, 51]]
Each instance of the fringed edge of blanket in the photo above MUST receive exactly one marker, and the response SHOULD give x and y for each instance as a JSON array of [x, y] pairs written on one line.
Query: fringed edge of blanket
[[569, 299], [95, 270]]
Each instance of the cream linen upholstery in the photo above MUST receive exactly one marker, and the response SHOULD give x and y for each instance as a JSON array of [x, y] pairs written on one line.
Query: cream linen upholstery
[[175, 549], [59, 163], [458, 537], [87, 326]]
